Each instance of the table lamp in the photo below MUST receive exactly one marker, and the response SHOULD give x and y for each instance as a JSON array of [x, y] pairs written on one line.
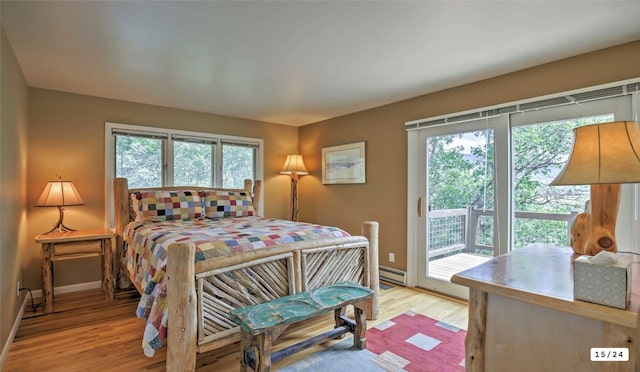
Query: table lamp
[[294, 166], [59, 194], [603, 156]]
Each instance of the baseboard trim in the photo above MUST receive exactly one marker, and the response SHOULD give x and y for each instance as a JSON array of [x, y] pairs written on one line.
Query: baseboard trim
[[70, 288], [12, 334], [27, 300]]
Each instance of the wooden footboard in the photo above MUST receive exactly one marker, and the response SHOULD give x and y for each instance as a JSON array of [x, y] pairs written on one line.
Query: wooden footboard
[[200, 300], [224, 289]]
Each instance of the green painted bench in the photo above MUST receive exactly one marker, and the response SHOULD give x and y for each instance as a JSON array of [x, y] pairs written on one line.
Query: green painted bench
[[263, 323]]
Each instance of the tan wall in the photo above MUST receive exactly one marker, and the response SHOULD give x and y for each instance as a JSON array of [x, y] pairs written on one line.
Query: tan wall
[[66, 137], [13, 183], [383, 197]]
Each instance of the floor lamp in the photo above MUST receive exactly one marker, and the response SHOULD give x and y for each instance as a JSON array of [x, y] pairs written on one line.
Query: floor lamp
[[294, 166], [603, 156]]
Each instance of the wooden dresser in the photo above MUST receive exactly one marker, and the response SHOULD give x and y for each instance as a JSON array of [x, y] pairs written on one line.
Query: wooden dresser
[[522, 316]]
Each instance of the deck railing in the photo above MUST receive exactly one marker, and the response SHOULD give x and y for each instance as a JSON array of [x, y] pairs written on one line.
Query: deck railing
[[470, 230]]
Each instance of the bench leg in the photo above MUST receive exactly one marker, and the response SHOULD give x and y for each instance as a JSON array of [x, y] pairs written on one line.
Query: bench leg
[[338, 318], [256, 350], [247, 358], [359, 334]]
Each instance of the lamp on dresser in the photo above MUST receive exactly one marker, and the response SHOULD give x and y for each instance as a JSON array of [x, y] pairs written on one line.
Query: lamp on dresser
[[294, 166], [59, 194], [603, 156]]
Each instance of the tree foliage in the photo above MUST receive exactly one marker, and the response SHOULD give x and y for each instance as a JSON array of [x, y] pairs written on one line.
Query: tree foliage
[[238, 164], [462, 175], [193, 163], [140, 160]]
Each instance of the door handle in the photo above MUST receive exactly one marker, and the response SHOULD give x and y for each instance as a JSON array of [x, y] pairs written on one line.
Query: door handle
[[420, 207]]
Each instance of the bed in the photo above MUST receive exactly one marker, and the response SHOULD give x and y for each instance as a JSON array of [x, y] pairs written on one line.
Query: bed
[[192, 268]]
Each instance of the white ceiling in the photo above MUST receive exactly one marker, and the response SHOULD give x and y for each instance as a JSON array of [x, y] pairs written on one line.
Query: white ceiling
[[297, 62]]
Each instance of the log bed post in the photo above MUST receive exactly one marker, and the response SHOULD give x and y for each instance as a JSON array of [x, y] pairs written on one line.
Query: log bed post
[[257, 191], [182, 328], [121, 219], [370, 231]]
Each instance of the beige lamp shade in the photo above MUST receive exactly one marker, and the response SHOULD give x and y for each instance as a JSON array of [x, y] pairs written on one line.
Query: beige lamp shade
[[294, 164], [603, 154], [59, 194]]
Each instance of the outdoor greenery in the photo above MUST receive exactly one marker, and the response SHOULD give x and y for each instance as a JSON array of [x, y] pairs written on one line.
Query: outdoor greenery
[[140, 160], [193, 163], [462, 176], [238, 164]]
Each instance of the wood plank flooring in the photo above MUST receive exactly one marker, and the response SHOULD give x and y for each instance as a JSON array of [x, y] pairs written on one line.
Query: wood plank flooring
[[86, 333]]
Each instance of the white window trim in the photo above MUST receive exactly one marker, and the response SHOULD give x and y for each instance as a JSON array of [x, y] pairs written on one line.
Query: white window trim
[[168, 174]]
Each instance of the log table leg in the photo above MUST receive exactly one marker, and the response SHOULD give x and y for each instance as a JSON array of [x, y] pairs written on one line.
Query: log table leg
[[47, 277], [474, 342], [107, 268]]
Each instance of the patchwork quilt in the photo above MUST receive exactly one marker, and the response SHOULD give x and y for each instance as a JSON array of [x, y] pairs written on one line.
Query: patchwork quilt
[[147, 244]]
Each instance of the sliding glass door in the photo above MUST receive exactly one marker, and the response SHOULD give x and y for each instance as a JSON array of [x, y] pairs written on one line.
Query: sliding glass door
[[481, 188], [458, 225]]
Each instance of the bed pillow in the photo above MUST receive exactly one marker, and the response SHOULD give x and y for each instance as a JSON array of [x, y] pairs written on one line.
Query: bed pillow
[[168, 205], [219, 204]]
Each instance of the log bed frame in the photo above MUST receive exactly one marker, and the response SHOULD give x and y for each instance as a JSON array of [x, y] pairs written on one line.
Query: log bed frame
[[200, 296]]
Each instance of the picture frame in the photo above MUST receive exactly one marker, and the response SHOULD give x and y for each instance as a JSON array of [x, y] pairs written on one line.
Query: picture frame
[[344, 164]]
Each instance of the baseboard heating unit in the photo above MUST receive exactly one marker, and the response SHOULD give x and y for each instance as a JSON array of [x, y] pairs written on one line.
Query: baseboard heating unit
[[392, 275]]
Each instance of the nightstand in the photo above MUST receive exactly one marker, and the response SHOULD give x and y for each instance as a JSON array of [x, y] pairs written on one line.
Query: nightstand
[[72, 245]]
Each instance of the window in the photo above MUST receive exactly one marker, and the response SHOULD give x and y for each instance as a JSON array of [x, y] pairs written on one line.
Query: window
[[238, 162], [540, 150], [193, 161], [153, 157], [139, 158]]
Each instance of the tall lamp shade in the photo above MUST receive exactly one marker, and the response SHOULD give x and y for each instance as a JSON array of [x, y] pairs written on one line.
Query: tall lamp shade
[[603, 156], [294, 166], [59, 194]]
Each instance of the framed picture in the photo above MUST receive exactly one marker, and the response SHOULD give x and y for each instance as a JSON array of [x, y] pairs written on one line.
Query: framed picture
[[344, 163]]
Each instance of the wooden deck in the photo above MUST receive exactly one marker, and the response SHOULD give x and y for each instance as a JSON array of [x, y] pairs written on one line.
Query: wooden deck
[[445, 268]]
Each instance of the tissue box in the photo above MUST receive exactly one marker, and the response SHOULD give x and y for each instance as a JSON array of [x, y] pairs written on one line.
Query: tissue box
[[603, 283]]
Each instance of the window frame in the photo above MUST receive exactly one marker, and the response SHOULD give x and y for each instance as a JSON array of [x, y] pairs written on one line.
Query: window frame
[[168, 165]]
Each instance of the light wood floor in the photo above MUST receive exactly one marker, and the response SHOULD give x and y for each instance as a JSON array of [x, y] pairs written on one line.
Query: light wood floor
[[85, 333]]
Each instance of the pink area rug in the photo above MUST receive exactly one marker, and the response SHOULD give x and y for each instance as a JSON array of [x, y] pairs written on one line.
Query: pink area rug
[[408, 342]]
